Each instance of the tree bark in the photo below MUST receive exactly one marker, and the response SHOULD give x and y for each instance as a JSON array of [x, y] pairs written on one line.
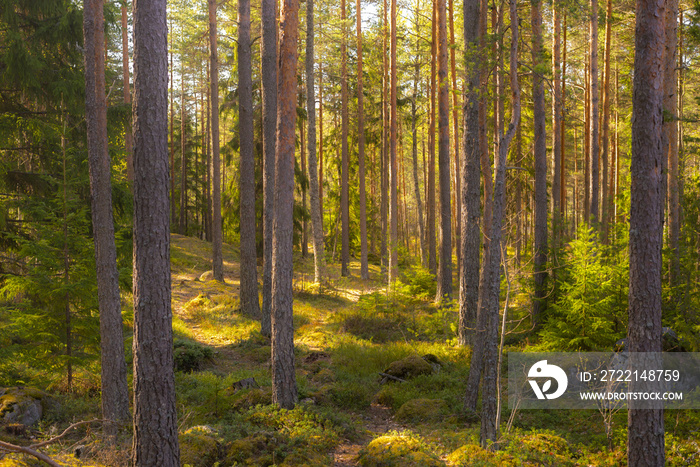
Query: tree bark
[[385, 142], [594, 118], [284, 390], [316, 225], [344, 182], [183, 157], [414, 145], [671, 138], [605, 155], [456, 143], [556, 126], [155, 417], [430, 195], [364, 267], [115, 395], [217, 235], [645, 443], [249, 271], [471, 190], [268, 55], [540, 254], [393, 167], [444, 283], [128, 134]]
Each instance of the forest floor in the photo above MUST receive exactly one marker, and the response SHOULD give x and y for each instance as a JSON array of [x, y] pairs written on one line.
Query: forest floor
[[345, 334]]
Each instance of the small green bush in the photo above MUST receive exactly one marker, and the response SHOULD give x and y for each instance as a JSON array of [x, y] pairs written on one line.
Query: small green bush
[[189, 356]]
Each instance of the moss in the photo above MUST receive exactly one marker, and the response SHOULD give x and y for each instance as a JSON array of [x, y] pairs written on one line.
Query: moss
[[198, 447], [306, 459], [248, 398], [409, 367], [422, 410], [398, 450], [542, 449], [472, 455], [260, 449], [18, 404]]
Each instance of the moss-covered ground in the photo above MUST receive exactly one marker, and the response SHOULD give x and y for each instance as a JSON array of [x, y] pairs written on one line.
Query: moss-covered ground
[[346, 334]]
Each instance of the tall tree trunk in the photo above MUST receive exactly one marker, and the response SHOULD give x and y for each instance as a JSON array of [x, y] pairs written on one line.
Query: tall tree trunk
[[471, 190], [540, 254], [430, 196], [284, 389], [485, 164], [562, 163], [587, 144], [444, 283], [671, 137], [364, 268], [605, 156], [217, 240], [115, 395], [645, 441], [556, 127], [173, 215], [344, 182], [594, 133], [249, 260], [268, 57], [183, 157], [302, 150], [316, 214], [490, 299], [385, 141], [393, 167], [414, 148], [128, 135], [456, 140], [155, 417]]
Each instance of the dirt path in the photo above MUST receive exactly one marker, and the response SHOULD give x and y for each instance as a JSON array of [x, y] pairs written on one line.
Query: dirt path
[[377, 421]]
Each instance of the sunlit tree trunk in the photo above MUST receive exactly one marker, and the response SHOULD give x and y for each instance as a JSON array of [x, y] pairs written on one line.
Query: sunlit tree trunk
[[344, 182], [430, 195], [128, 136], [594, 117], [364, 268], [216, 229], [393, 166], [671, 136], [284, 389], [556, 127]]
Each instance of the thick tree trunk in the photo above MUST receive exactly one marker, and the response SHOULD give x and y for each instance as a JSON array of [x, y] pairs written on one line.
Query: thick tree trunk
[[645, 442], [249, 260], [344, 181], [316, 224], [393, 167], [216, 227], [470, 213], [364, 268], [594, 132], [284, 389], [540, 253], [155, 417], [444, 283], [456, 141], [115, 395], [268, 56]]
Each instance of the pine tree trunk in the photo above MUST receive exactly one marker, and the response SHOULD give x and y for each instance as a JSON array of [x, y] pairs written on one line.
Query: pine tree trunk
[[249, 260], [444, 283], [344, 182], [183, 158], [115, 396], [284, 390], [414, 153], [316, 213], [471, 190], [556, 127], [364, 267], [605, 155], [155, 417], [562, 163], [594, 132], [129, 135], [430, 196], [671, 137], [456, 141], [217, 236], [645, 444], [393, 167], [540, 254], [268, 56]]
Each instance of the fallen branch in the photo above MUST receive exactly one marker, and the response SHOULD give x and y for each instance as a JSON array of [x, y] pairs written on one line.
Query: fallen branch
[[31, 450], [387, 376]]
